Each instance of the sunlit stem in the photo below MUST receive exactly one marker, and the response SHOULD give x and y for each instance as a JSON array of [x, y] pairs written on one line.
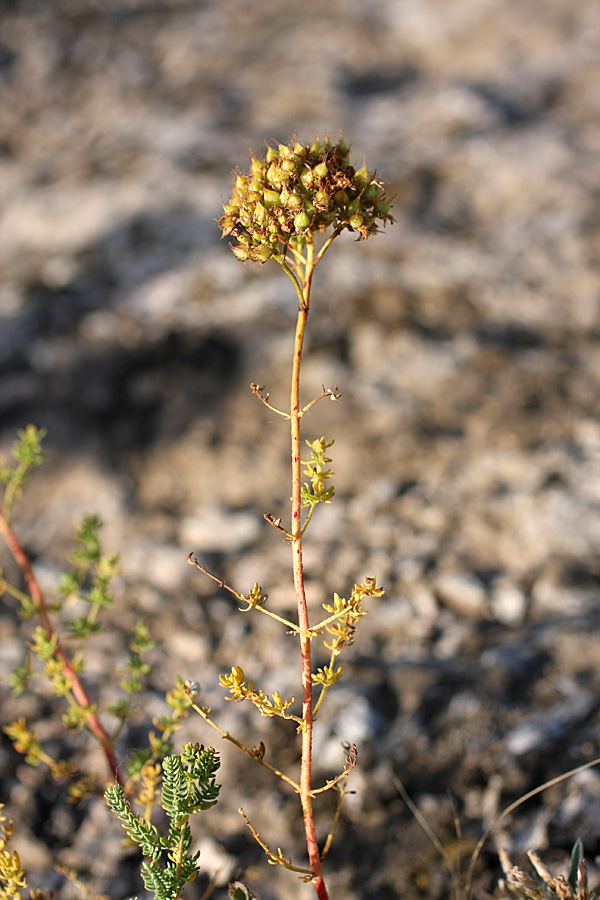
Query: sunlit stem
[[303, 287]]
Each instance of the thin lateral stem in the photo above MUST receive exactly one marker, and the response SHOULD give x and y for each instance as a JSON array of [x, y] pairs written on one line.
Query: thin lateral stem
[[257, 390], [331, 618], [319, 703], [297, 286], [194, 562], [305, 526], [327, 392], [273, 856], [336, 818], [205, 713], [275, 521], [6, 587], [326, 246], [78, 691], [350, 763]]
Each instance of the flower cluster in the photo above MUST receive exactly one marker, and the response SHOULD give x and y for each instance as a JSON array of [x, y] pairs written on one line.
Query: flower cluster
[[268, 706], [346, 613], [297, 190]]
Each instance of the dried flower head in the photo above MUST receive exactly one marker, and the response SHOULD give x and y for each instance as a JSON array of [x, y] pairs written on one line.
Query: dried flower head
[[296, 190]]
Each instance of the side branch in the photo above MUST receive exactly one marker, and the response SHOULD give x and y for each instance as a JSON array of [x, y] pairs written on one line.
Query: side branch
[[259, 391], [253, 600], [348, 766], [77, 689], [275, 859], [276, 523], [333, 395], [256, 755]]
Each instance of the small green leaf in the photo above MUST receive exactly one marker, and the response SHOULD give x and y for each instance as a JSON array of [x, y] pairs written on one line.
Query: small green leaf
[[576, 856]]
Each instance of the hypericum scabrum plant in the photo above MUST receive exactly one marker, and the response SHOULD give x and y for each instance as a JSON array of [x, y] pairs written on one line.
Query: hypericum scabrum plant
[[296, 193]]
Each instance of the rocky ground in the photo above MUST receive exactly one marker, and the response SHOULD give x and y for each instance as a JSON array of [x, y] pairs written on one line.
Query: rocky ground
[[464, 340]]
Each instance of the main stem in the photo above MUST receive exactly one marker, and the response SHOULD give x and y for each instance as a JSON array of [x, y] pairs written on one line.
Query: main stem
[[298, 568]]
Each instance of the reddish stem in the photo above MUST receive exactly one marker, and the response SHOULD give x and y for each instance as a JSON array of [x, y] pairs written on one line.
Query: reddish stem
[[77, 688], [303, 622]]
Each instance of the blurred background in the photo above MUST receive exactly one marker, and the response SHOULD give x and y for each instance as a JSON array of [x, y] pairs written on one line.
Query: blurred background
[[464, 341]]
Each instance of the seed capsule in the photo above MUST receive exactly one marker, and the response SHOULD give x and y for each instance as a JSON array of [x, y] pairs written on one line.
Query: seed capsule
[[362, 177], [301, 221], [294, 202], [306, 176], [271, 198], [262, 253], [322, 200]]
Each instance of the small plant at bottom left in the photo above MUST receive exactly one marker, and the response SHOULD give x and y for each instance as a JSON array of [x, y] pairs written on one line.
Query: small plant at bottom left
[[188, 786], [181, 783]]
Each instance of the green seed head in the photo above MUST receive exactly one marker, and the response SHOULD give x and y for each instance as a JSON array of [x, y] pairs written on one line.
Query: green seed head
[[296, 191]]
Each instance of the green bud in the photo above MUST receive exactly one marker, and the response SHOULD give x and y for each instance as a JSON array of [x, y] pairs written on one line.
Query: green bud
[[306, 176], [382, 208], [340, 198], [294, 202], [227, 224], [321, 170], [275, 175], [356, 221], [260, 214], [315, 148], [257, 168], [271, 198], [262, 253], [301, 221], [322, 200], [354, 206], [288, 167], [272, 154], [362, 178]]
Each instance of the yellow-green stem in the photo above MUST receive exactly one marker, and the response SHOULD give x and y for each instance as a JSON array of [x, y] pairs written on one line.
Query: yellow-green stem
[[303, 290]]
